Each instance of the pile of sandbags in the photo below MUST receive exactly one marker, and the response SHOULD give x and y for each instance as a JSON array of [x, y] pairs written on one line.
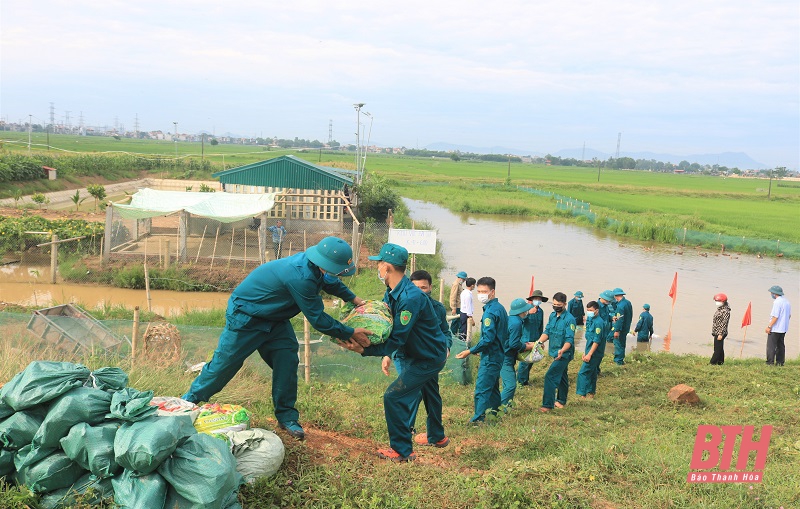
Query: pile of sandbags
[[67, 431]]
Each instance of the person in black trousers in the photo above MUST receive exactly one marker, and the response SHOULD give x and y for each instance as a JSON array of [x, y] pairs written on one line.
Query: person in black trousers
[[719, 327]]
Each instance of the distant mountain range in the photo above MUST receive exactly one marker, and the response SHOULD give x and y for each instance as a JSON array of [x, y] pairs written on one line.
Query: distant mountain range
[[730, 159]]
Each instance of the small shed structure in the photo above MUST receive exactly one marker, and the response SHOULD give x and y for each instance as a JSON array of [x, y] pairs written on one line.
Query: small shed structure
[[306, 194]]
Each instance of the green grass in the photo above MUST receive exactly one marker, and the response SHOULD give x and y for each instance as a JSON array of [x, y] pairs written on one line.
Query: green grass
[[735, 206], [630, 447]]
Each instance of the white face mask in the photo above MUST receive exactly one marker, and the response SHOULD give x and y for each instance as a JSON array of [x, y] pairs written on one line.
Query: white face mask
[[718, 303], [483, 297]]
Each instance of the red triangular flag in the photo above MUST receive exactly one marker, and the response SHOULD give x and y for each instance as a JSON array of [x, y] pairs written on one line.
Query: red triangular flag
[[673, 290], [531, 292], [748, 315]]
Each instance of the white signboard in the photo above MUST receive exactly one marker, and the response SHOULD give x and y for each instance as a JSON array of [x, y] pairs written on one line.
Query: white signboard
[[416, 241]]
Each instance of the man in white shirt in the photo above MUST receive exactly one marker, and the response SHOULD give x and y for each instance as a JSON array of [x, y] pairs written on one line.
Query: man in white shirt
[[466, 307], [778, 327]]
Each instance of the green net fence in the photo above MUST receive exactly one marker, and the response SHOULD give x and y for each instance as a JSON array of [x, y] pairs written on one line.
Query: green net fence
[[669, 235], [329, 362]]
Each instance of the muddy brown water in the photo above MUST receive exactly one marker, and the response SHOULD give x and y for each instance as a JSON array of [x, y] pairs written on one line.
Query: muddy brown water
[[27, 282], [566, 257]]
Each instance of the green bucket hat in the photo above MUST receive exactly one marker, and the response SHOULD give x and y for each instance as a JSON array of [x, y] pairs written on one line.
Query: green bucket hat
[[607, 295], [462, 275], [333, 255], [579, 294], [519, 306], [777, 290], [538, 293], [618, 291], [392, 253]]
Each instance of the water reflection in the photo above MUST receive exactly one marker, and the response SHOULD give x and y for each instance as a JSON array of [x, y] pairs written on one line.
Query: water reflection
[[566, 257]]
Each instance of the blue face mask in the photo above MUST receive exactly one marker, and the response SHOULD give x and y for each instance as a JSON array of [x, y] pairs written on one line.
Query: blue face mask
[[590, 314], [329, 279], [536, 303]]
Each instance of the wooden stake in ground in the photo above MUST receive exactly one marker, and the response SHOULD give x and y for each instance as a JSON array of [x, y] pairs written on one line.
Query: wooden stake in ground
[[201, 244], [441, 291], [230, 253], [166, 253], [245, 248], [305, 244], [214, 252], [307, 351], [147, 288]]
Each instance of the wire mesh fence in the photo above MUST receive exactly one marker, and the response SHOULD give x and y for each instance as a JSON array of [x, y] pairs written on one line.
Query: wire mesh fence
[[328, 361]]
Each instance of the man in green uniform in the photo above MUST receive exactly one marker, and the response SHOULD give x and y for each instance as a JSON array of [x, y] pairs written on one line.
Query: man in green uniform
[[533, 328], [575, 307], [515, 345], [596, 331], [494, 333], [258, 316], [422, 279], [421, 348], [622, 325], [560, 331], [644, 327]]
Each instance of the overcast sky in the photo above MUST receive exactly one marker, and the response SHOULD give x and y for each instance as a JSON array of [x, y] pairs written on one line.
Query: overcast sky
[[679, 76]]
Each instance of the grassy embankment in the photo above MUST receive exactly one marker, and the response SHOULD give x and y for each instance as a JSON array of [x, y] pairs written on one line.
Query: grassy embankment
[[629, 448]]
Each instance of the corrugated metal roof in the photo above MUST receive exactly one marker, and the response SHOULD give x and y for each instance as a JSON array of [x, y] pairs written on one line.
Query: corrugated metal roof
[[285, 172]]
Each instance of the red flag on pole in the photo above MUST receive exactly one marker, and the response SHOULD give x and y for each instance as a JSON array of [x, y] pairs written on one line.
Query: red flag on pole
[[531, 291], [748, 315], [673, 290]]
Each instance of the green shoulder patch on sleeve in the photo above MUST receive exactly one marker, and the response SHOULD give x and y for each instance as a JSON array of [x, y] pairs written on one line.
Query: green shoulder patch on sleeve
[[598, 330], [487, 321], [572, 326], [405, 317]]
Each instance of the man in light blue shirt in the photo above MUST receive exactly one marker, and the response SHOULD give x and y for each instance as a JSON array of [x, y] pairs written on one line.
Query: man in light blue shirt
[[778, 327], [278, 234]]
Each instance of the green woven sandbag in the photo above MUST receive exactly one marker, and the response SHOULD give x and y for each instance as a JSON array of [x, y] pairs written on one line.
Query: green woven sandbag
[[88, 491], [92, 447], [131, 405], [202, 471], [18, 430], [6, 462], [51, 473], [136, 492], [143, 445], [373, 315], [258, 452], [5, 409], [107, 379], [42, 381], [82, 404]]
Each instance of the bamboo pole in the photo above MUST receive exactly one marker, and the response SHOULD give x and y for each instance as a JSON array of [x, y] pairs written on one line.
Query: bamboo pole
[[245, 248], [668, 338], [230, 253], [305, 242], [166, 253], [201, 244], [147, 288], [160, 250], [290, 248], [145, 249], [441, 291], [214, 251], [741, 350], [307, 351], [135, 336]]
